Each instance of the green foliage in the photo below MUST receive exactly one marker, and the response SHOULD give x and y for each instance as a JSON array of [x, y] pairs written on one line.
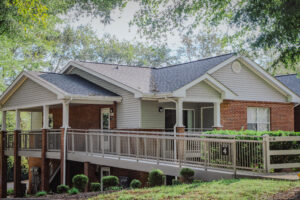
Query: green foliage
[[62, 189], [135, 184], [258, 26], [253, 133], [187, 175], [73, 190], [95, 187], [80, 181], [10, 192], [156, 178], [114, 188], [176, 182], [110, 181], [41, 193]]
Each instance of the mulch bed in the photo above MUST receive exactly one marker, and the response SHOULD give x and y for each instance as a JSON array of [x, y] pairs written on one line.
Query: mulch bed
[[292, 194]]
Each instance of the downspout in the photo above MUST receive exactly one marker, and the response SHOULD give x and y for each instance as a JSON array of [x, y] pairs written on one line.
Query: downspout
[[65, 143]]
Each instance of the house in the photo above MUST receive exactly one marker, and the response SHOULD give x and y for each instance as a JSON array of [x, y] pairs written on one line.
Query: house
[[293, 82], [223, 92]]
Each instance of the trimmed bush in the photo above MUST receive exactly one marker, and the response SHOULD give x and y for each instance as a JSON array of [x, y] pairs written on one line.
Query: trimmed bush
[[135, 184], [80, 181], [10, 192], [95, 187], [73, 190], [156, 178], [114, 188], [62, 189], [176, 182], [41, 193], [110, 181], [187, 175]]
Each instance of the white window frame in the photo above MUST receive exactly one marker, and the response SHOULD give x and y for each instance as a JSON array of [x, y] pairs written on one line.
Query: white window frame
[[257, 122]]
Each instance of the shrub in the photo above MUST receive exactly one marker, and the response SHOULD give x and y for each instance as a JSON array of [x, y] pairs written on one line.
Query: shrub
[[10, 192], [156, 178], [135, 184], [80, 181], [110, 181], [73, 190], [176, 182], [62, 189], [95, 187], [41, 193], [114, 188], [187, 175]]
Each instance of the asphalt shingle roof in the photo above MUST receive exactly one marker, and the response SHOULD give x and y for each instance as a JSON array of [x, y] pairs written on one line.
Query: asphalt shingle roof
[[75, 85], [158, 80], [291, 81]]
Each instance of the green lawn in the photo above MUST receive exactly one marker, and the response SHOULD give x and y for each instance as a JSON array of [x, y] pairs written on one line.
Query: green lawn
[[223, 189]]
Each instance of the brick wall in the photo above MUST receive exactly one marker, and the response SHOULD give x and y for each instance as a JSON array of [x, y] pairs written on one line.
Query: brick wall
[[234, 114], [83, 116], [297, 118]]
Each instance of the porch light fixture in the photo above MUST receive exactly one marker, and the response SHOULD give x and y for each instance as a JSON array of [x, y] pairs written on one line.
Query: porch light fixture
[[160, 109]]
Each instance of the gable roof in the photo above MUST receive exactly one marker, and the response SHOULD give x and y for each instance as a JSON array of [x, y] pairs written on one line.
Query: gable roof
[[74, 84], [291, 81], [154, 80]]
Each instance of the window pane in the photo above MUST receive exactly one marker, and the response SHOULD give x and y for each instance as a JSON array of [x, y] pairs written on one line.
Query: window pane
[[252, 126], [251, 115], [263, 115], [263, 127]]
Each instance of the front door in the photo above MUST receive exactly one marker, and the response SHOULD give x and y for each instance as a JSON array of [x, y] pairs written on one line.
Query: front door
[[105, 125], [207, 118]]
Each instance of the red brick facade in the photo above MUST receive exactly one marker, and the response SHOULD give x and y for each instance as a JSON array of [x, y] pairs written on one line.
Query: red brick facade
[[234, 114], [83, 116]]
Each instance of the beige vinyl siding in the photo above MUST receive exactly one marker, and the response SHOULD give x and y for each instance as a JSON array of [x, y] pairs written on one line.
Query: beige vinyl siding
[[128, 111], [202, 90], [36, 120], [247, 85], [30, 93], [152, 119]]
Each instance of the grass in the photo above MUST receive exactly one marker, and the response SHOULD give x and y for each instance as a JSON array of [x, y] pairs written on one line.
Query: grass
[[223, 189]]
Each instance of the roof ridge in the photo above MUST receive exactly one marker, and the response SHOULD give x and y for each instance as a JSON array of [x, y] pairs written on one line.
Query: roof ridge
[[194, 61], [121, 65], [286, 75]]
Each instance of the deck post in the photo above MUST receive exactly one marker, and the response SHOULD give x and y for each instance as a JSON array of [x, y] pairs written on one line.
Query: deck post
[[63, 141], [87, 172], [62, 149], [3, 165], [45, 163], [266, 152], [17, 166]]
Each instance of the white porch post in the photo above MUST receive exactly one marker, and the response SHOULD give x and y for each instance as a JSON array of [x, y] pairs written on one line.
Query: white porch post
[[217, 115], [179, 113], [3, 121], [65, 115], [45, 117], [18, 120]]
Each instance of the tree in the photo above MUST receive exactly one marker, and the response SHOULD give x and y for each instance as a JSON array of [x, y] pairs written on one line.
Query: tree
[[201, 45], [264, 25]]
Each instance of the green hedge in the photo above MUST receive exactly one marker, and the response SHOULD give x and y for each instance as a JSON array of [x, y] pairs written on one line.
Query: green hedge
[[252, 133], [80, 181]]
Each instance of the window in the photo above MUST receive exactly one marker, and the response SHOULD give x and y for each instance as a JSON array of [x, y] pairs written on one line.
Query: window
[[258, 119]]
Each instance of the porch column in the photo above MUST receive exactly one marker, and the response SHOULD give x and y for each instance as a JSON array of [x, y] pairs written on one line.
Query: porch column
[[45, 161], [63, 142], [17, 158], [179, 128], [3, 159], [217, 115], [87, 172]]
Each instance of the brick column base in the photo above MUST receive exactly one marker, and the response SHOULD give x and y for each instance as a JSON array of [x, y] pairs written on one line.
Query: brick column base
[[3, 167], [45, 163], [17, 166]]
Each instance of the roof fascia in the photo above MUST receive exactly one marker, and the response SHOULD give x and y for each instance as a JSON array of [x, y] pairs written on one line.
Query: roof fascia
[[136, 93]]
